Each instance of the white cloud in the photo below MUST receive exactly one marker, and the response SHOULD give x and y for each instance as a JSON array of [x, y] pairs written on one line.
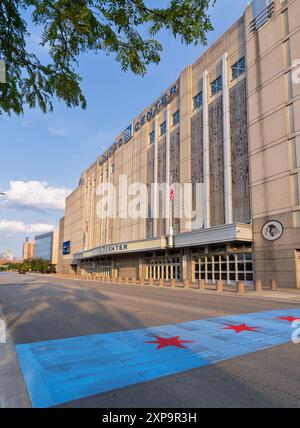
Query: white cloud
[[59, 131], [21, 227], [36, 195]]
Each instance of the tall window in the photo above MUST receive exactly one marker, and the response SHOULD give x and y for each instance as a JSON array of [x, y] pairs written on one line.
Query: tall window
[[216, 86], [239, 68], [263, 10], [198, 100], [152, 137], [176, 118], [163, 128], [259, 6]]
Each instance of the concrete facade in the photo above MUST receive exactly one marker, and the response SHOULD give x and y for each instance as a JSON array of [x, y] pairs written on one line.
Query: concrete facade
[[230, 122]]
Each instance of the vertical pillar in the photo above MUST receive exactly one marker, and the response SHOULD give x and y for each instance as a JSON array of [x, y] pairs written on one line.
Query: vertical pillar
[[155, 188], [167, 199], [227, 143], [206, 166]]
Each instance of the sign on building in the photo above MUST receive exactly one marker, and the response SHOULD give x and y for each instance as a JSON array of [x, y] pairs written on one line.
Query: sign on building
[[66, 248]]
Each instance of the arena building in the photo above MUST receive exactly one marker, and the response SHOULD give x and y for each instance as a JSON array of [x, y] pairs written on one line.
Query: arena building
[[231, 122]]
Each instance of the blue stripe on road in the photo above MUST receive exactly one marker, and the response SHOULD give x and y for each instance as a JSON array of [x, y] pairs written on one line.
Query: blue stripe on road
[[59, 371]]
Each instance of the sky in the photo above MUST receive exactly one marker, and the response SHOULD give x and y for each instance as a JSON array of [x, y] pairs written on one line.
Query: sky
[[42, 156]]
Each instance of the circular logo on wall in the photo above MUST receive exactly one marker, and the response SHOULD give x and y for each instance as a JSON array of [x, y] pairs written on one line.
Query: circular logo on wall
[[272, 230]]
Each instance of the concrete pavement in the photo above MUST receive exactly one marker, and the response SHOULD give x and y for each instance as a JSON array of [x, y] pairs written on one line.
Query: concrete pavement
[[43, 308], [13, 392]]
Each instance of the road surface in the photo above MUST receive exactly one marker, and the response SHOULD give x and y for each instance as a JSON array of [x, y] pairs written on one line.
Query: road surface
[[38, 309]]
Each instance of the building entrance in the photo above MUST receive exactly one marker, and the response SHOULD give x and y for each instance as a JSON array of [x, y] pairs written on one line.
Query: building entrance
[[164, 268], [230, 268]]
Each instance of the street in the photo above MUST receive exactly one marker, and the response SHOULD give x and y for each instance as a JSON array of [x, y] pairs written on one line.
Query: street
[[42, 309]]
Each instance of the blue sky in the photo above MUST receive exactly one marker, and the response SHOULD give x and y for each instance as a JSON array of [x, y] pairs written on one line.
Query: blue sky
[[42, 156]]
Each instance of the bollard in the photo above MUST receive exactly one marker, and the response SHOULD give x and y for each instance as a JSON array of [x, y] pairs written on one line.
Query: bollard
[[126, 280], [142, 282], [258, 286], [186, 283], [173, 282], [220, 286], [133, 281], [241, 288], [274, 285], [201, 284], [150, 281], [161, 282], [194, 285]]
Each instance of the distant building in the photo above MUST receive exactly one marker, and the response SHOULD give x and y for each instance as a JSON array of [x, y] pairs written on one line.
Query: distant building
[[28, 250], [7, 255], [46, 247]]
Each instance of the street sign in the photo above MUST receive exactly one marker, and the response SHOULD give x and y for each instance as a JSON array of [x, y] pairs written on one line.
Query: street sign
[[2, 71]]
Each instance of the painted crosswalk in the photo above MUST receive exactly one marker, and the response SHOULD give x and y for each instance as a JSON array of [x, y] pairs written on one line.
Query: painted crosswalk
[[59, 371]]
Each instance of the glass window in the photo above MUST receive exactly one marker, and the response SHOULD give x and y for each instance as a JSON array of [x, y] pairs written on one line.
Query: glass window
[[216, 86], [258, 6], [152, 137], [198, 100], [238, 68], [176, 118], [163, 128]]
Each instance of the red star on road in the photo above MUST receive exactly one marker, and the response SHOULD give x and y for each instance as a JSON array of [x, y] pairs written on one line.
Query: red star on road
[[289, 319], [164, 342], [240, 328]]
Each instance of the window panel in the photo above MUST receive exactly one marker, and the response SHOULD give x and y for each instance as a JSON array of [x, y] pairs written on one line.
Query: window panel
[[198, 100], [216, 86], [239, 68], [163, 128], [176, 118]]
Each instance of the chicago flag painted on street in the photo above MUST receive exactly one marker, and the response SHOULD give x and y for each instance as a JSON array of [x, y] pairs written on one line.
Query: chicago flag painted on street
[[59, 371]]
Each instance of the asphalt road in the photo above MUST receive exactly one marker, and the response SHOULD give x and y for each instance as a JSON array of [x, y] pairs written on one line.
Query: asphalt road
[[40, 308]]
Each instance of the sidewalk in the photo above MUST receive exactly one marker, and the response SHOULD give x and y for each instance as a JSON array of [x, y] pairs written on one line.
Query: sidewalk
[[284, 294], [13, 392]]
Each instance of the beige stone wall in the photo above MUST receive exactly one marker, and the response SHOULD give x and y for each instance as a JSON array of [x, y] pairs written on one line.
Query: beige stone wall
[[71, 229], [274, 151], [59, 267], [272, 174], [54, 260]]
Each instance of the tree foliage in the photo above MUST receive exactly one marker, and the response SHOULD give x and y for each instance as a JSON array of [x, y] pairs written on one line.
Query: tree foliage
[[32, 265], [127, 29]]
